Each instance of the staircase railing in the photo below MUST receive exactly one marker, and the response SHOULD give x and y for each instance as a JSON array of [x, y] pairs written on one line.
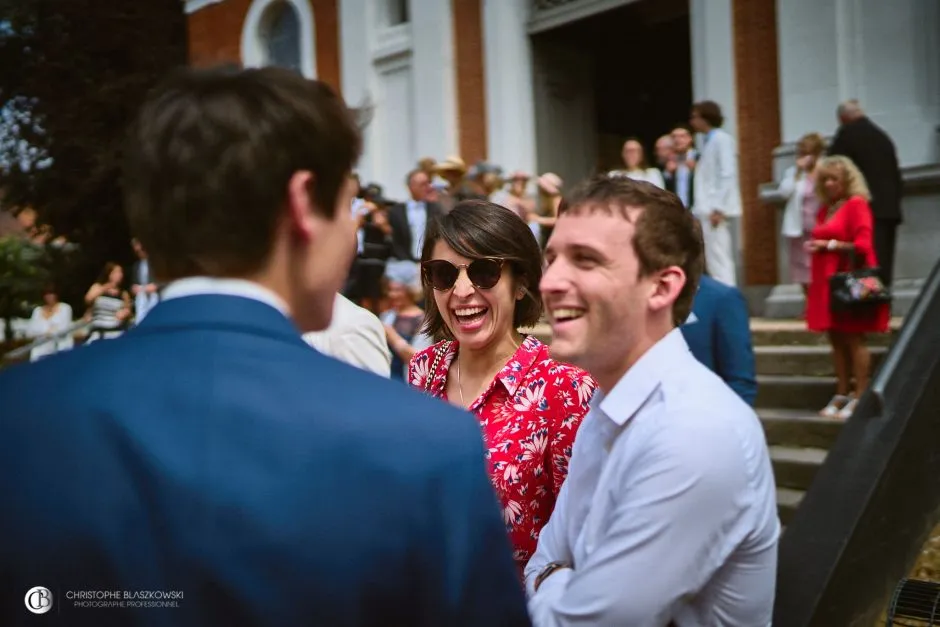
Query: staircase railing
[[876, 498], [23, 351]]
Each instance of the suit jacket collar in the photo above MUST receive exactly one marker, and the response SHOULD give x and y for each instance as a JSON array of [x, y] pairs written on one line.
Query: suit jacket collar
[[220, 312]]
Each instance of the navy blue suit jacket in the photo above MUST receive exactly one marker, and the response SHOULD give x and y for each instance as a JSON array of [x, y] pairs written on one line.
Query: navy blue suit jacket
[[719, 335], [211, 451]]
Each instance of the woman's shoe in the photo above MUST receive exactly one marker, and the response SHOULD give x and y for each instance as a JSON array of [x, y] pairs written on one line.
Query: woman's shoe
[[846, 412], [834, 407]]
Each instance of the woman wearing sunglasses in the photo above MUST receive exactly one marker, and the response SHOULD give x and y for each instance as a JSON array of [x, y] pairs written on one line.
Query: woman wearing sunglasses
[[481, 267]]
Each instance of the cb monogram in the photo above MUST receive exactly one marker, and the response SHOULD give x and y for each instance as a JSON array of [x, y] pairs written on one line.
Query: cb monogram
[[39, 600]]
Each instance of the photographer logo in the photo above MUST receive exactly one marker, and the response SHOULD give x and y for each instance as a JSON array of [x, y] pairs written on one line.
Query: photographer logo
[[39, 600]]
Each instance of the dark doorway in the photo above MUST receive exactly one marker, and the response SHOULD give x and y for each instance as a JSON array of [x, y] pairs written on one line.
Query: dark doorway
[[640, 72]]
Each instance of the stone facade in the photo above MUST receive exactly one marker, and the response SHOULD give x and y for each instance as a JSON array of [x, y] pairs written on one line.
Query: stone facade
[[464, 77]]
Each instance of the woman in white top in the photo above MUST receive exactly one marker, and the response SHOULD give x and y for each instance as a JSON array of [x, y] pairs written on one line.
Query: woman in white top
[[798, 187], [49, 319], [634, 160]]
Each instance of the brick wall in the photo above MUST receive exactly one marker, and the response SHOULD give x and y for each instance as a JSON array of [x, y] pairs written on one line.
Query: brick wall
[[215, 34], [470, 79], [758, 95]]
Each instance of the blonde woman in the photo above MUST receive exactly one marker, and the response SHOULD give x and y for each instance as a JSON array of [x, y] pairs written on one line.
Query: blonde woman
[[843, 226], [799, 218]]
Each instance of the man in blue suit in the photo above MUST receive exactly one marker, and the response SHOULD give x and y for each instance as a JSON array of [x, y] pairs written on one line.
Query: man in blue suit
[[718, 333], [209, 459]]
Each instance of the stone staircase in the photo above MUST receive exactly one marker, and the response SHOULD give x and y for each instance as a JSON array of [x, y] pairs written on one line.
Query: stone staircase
[[795, 380]]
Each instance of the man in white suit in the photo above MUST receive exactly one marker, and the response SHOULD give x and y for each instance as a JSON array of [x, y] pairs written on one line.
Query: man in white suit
[[716, 191]]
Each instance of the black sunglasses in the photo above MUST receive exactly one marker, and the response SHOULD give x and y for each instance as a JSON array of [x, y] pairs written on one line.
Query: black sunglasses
[[442, 274]]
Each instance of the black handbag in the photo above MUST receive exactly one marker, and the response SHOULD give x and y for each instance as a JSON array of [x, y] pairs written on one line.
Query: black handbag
[[857, 288]]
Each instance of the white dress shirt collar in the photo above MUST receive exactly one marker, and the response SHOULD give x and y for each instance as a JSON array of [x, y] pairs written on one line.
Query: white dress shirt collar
[[204, 285], [642, 379]]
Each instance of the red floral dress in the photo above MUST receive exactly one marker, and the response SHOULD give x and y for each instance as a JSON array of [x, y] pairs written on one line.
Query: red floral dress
[[529, 414], [852, 222]]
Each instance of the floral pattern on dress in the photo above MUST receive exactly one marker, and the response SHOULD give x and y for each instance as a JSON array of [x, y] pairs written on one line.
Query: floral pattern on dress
[[529, 415]]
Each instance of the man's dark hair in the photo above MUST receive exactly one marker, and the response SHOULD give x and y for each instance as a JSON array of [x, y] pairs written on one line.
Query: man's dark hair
[[208, 161], [665, 232], [709, 111], [478, 229]]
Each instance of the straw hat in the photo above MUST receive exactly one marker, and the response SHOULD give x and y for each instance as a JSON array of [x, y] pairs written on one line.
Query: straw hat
[[451, 164], [550, 183]]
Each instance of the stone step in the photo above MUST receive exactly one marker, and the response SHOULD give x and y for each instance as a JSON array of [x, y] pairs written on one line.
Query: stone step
[[787, 502], [766, 332], [799, 428], [801, 359], [794, 392], [796, 467]]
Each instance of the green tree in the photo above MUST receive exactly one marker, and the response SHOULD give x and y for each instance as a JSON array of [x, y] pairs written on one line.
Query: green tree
[[74, 74], [25, 268]]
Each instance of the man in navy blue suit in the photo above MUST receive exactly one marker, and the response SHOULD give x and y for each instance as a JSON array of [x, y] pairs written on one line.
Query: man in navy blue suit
[[210, 458], [718, 333]]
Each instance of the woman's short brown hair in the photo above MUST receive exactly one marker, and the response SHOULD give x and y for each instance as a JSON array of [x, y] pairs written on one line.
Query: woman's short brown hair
[[477, 229]]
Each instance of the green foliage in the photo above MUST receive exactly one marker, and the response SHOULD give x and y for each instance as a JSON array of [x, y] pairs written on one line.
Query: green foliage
[[25, 268], [77, 71]]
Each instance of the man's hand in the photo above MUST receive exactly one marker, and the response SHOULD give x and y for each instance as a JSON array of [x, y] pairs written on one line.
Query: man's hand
[[671, 166], [151, 288], [716, 218], [690, 163], [135, 290]]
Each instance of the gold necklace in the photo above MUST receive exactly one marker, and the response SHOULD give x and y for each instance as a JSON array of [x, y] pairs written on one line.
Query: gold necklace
[[457, 364]]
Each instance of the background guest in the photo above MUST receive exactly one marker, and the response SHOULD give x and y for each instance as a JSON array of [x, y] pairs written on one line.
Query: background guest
[[718, 332], [48, 320], [355, 336], [842, 238], [110, 304], [635, 166], [403, 320], [876, 157], [717, 195], [799, 218]]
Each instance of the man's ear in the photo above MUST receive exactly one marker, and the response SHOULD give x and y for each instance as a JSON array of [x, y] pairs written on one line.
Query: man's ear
[[300, 208], [667, 285]]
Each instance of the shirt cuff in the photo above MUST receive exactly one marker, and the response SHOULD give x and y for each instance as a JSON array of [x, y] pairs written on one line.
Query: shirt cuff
[[540, 604]]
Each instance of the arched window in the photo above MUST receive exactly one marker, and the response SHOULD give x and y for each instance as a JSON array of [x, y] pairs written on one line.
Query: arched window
[[281, 36], [281, 33]]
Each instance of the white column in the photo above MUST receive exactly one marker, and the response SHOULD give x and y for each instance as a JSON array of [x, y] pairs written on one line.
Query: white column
[[713, 75], [356, 72], [510, 104], [809, 67], [435, 98]]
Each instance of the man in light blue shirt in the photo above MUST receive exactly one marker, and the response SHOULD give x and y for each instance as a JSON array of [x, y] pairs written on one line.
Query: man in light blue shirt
[[668, 514]]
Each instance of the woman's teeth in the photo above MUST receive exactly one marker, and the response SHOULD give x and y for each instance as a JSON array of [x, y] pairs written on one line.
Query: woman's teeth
[[470, 312]]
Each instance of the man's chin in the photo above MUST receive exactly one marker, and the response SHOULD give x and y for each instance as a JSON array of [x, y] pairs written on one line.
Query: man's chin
[[564, 351]]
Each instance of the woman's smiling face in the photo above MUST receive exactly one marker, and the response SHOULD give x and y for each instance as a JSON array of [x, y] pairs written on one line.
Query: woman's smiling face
[[476, 317]]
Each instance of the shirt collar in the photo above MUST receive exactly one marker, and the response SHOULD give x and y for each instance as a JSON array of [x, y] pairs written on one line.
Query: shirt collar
[[642, 379], [203, 285]]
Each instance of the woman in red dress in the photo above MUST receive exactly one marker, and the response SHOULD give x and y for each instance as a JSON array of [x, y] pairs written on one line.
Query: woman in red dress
[[843, 226], [481, 268]]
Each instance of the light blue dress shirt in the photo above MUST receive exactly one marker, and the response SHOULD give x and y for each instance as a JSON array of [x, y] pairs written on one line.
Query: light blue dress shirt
[[669, 510]]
